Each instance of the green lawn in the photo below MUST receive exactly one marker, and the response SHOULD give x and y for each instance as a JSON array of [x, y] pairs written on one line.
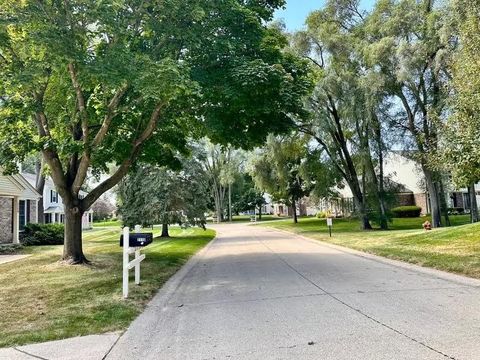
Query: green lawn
[[41, 299], [108, 223], [455, 249]]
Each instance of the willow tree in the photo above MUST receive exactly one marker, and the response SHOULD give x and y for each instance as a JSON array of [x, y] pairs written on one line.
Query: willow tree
[[345, 105], [409, 44], [90, 83]]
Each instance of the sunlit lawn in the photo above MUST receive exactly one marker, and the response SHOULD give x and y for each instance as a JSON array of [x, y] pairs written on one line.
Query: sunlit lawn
[[41, 299], [109, 223], [455, 249]]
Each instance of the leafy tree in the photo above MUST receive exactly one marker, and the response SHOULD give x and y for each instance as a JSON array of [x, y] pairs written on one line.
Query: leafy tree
[[151, 195], [251, 199], [102, 209], [408, 45], [277, 170], [90, 83], [345, 107], [462, 131], [222, 164]]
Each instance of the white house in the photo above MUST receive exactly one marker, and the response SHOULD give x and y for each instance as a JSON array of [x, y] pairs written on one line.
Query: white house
[[53, 204], [18, 206]]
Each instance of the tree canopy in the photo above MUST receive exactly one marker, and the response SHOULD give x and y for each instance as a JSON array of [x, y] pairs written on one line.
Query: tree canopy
[[88, 83]]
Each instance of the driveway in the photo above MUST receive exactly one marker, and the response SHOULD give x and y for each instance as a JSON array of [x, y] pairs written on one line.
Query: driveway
[[256, 293]]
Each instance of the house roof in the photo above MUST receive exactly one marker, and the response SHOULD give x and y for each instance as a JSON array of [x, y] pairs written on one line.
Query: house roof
[[32, 179], [17, 185]]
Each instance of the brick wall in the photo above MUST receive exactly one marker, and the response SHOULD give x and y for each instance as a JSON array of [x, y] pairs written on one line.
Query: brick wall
[[33, 211], [421, 200], [405, 199], [6, 235]]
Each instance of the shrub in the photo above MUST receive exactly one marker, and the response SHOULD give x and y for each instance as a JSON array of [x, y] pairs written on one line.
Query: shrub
[[42, 234], [10, 249], [324, 214], [456, 211], [406, 211]]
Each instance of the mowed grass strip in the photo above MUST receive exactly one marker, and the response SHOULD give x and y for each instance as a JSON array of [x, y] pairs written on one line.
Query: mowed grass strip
[[455, 249], [42, 299]]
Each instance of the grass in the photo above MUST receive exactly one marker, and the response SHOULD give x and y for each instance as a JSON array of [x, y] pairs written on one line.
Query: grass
[[42, 299], [107, 223], [455, 249]]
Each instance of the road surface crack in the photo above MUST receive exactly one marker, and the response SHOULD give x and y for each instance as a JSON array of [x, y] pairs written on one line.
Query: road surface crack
[[331, 295], [32, 355]]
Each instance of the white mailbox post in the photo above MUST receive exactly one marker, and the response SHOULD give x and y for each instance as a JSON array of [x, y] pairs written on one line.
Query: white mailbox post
[[127, 264]]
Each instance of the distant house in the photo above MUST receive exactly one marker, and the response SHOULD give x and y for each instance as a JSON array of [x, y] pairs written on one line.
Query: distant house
[[461, 198], [53, 205], [401, 174], [18, 206]]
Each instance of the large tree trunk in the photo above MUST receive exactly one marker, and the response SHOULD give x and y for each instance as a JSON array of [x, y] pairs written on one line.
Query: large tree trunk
[[381, 175], [443, 203], [363, 214], [230, 218], [218, 194], [260, 212], [360, 204], [473, 204], [434, 198], [40, 186], [72, 250], [294, 209], [165, 233]]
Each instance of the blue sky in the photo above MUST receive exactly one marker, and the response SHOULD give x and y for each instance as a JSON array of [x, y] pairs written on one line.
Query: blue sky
[[297, 10]]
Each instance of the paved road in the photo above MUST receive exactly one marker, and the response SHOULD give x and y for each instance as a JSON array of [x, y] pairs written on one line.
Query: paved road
[[256, 293]]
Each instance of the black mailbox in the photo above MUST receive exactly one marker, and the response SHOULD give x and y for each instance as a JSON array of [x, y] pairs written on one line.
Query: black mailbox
[[138, 239]]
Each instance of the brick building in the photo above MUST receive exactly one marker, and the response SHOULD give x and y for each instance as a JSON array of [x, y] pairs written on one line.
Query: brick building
[[18, 206]]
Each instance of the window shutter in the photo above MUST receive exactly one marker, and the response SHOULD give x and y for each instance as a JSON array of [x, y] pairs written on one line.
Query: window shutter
[[27, 211]]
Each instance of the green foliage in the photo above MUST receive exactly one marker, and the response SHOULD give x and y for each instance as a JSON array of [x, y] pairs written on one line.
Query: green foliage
[[95, 83], [276, 169], [251, 199], [456, 210], [10, 249], [323, 214], [152, 195], [43, 234], [462, 133], [406, 211]]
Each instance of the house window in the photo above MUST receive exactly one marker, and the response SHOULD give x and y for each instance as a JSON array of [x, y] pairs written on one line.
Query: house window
[[53, 196], [23, 214]]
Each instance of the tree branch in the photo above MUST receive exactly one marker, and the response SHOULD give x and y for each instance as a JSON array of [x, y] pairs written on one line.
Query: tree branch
[[82, 109], [88, 201], [82, 170]]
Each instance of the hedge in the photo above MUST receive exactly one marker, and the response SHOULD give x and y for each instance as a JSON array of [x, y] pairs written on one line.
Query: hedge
[[42, 234], [456, 210], [406, 211]]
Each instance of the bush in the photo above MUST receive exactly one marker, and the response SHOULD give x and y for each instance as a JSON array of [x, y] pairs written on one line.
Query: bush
[[323, 214], [10, 249], [42, 234], [406, 211], [456, 211]]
